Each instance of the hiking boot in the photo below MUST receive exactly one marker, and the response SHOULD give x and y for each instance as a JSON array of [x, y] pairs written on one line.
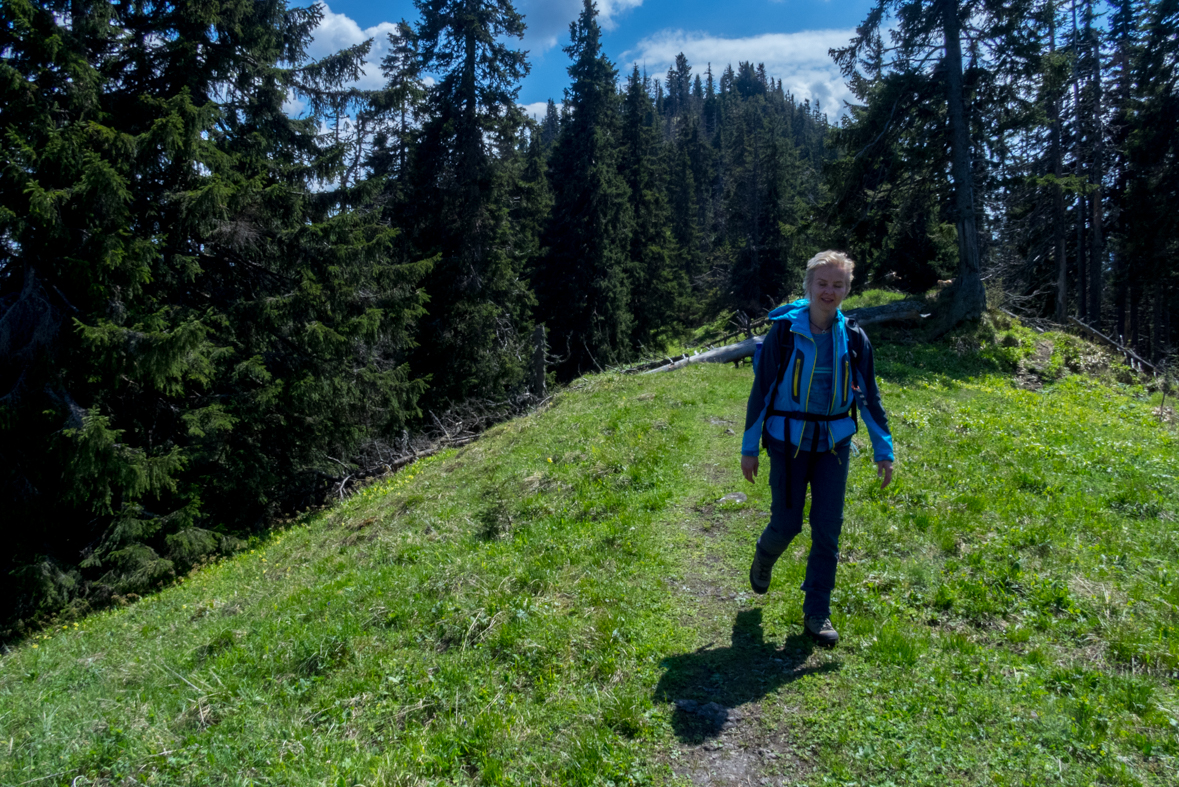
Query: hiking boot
[[760, 572], [820, 630]]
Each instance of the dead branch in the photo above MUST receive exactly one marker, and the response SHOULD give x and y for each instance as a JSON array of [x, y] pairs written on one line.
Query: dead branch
[[1126, 352], [454, 428]]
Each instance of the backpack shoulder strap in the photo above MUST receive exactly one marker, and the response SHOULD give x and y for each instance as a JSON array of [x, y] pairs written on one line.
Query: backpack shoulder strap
[[785, 351], [855, 338]]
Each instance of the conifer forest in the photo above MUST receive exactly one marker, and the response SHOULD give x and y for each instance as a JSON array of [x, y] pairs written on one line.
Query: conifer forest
[[213, 312]]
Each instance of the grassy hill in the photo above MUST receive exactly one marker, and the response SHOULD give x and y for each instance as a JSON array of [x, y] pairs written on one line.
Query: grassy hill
[[566, 602]]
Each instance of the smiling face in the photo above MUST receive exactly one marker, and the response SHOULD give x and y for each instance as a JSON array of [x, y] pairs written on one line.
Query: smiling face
[[829, 285]]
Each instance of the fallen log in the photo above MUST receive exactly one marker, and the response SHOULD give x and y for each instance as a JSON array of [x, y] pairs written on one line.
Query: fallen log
[[868, 315], [889, 312], [727, 354], [1126, 352]]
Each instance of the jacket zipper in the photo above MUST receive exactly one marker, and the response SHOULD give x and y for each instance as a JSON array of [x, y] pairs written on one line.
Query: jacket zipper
[[806, 404]]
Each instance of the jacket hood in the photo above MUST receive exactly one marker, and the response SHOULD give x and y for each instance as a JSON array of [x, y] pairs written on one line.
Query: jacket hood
[[794, 309]]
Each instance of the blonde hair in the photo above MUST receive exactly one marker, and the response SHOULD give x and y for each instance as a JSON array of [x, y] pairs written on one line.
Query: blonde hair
[[824, 258]]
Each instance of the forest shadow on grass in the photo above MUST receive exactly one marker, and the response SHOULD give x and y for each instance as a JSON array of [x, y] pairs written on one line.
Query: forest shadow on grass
[[709, 684]]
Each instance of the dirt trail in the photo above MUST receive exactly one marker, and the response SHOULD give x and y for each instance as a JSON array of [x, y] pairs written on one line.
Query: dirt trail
[[733, 697], [1030, 372]]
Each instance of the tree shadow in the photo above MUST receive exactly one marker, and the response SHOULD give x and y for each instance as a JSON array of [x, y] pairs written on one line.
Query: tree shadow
[[709, 684], [905, 355]]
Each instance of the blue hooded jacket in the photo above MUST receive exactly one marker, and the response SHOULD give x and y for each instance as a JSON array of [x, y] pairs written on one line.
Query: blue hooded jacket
[[855, 376]]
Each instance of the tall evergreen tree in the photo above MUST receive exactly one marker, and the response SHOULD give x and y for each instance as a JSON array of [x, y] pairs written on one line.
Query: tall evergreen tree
[[685, 200], [1151, 208], [1091, 154], [584, 282], [395, 108], [1123, 32], [659, 286], [977, 104], [1054, 85], [532, 201], [197, 319], [550, 126], [472, 343], [679, 87], [923, 27], [760, 205]]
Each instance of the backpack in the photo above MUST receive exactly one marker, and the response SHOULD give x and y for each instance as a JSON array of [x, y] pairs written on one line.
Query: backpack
[[855, 343], [855, 346]]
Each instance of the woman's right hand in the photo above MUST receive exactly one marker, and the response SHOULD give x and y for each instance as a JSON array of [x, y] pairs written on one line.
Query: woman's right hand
[[749, 468]]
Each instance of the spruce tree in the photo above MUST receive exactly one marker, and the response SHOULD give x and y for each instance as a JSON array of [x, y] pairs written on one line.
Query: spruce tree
[[679, 87], [550, 126], [584, 282], [659, 293], [923, 27], [473, 341], [1151, 208], [886, 190], [970, 100], [759, 202], [198, 319], [395, 108], [532, 201], [684, 201]]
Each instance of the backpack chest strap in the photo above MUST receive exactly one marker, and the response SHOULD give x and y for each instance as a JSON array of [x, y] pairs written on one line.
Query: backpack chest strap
[[799, 416]]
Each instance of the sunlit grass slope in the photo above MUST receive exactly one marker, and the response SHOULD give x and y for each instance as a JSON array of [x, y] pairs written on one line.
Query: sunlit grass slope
[[517, 612]]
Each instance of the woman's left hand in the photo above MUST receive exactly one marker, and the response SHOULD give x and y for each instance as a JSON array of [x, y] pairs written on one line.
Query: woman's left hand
[[884, 470]]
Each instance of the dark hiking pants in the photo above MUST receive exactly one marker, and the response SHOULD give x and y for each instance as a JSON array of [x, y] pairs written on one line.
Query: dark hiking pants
[[826, 475]]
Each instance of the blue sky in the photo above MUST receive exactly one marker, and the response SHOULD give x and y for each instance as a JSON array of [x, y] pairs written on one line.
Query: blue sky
[[790, 36]]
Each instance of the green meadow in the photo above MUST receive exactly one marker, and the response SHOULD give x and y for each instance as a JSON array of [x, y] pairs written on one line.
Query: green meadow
[[566, 602]]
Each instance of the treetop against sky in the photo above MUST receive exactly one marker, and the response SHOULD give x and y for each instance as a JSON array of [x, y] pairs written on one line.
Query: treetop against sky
[[790, 36]]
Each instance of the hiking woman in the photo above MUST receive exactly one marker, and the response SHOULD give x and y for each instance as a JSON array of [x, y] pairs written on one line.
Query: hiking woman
[[814, 372]]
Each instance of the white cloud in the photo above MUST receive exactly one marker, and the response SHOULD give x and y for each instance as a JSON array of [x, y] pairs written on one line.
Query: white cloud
[[548, 20], [293, 106], [338, 31], [608, 9], [537, 109], [800, 60]]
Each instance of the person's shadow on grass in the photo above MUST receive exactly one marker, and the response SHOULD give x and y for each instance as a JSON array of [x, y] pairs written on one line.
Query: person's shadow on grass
[[709, 684]]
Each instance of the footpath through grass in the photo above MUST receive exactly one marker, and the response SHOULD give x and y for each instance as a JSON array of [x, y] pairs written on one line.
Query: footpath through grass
[[566, 602]]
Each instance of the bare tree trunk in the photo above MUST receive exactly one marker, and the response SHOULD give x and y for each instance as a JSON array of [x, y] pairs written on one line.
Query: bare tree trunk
[[970, 296], [1082, 270], [1156, 328], [1133, 339], [1096, 173], [538, 355], [1078, 165], [1165, 323], [1057, 191]]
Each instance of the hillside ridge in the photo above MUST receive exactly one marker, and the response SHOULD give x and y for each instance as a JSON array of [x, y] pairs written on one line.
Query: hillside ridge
[[565, 601]]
